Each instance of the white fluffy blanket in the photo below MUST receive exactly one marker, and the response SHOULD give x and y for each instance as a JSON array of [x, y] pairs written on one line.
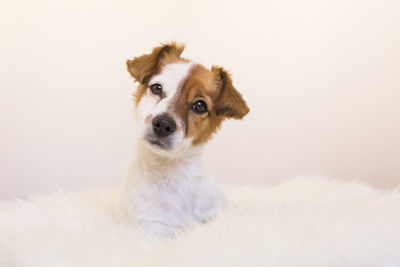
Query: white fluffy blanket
[[307, 221]]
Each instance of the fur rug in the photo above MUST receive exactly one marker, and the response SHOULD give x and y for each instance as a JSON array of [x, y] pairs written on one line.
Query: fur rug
[[308, 221]]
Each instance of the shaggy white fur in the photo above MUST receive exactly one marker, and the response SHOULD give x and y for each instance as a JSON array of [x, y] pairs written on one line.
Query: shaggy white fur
[[307, 221]]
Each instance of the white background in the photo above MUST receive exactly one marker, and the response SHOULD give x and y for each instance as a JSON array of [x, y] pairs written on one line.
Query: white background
[[321, 79]]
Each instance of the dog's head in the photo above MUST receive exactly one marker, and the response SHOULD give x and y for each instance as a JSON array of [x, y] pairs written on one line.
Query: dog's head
[[180, 103]]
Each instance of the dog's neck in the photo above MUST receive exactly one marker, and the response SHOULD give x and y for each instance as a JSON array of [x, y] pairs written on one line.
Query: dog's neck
[[151, 166]]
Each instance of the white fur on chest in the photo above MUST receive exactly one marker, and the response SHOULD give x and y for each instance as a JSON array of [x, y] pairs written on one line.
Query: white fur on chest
[[165, 195]]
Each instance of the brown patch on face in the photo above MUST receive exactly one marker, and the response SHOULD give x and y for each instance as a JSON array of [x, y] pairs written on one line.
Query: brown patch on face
[[144, 67], [216, 90]]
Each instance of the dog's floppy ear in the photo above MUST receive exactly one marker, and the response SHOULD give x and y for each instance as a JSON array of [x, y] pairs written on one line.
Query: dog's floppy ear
[[230, 102], [141, 68]]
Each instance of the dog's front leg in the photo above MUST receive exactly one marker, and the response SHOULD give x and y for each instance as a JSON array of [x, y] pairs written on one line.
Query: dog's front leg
[[209, 202]]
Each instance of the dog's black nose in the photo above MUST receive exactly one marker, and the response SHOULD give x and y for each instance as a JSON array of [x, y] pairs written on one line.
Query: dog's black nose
[[163, 125]]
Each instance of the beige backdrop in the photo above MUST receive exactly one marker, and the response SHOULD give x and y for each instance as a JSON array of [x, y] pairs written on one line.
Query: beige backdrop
[[321, 79]]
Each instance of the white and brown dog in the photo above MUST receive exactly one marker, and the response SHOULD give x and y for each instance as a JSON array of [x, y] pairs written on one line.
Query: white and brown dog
[[179, 105]]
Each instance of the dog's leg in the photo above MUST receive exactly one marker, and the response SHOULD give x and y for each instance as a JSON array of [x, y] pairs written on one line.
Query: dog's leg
[[209, 202]]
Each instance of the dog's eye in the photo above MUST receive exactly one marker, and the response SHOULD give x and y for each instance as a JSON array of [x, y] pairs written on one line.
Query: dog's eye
[[156, 89], [199, 107]]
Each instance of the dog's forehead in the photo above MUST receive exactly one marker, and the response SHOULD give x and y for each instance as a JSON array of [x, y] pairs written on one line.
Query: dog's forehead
[[172, 77]]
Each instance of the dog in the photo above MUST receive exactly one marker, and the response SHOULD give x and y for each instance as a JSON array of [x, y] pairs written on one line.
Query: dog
[[179, 106]]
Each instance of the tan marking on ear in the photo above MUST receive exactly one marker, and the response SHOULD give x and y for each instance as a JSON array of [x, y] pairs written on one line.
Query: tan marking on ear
[[141, 68], [230, 102]]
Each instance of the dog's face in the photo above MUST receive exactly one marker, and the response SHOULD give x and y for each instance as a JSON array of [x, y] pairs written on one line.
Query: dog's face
[[180, 104]]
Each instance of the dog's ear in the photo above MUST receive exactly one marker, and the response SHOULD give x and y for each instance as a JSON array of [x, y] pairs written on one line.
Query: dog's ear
[[229, 102], [143, 67]]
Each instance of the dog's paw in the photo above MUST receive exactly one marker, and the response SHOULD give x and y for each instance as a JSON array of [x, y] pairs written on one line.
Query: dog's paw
[[205, 211]]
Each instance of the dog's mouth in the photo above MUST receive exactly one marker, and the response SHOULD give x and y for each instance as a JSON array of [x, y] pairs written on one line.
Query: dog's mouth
[[157, 143], [163, 143]]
